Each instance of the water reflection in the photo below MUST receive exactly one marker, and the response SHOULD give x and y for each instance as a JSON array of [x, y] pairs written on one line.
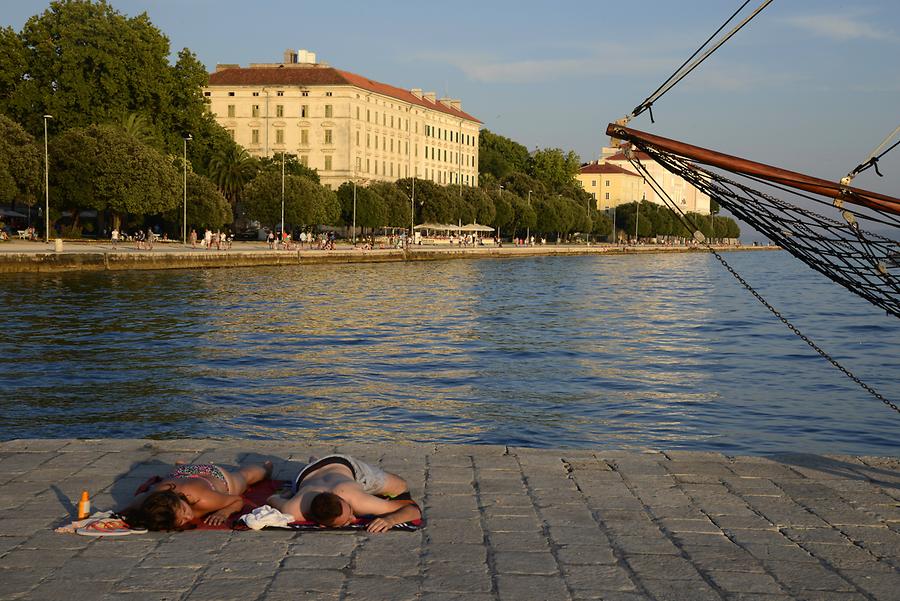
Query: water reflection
[[662, 351]]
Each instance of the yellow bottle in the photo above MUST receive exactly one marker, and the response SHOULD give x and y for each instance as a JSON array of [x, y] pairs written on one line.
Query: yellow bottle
[[84, 505]]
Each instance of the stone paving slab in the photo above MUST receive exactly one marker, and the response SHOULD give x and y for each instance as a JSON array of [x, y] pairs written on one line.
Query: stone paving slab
[[501, 524]]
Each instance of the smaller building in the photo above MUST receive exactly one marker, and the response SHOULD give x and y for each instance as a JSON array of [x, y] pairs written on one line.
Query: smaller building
[[612, 181]]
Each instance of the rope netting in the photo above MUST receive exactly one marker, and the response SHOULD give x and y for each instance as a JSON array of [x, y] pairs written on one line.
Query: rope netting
[[866, 263]]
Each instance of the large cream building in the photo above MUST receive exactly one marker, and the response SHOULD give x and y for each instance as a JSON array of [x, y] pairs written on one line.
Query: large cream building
[[344, 125], [612, 181]]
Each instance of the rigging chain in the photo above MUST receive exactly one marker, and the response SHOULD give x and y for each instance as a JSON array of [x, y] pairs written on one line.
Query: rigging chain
[[686, 221], [872, 160]]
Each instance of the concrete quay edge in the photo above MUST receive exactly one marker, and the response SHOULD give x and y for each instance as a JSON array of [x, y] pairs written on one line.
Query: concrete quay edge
[[502, 523], [37, 259]]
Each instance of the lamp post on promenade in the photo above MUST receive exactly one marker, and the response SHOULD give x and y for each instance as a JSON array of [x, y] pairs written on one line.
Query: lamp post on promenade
[[186, 138], [46, 185], [412, 206], [528, 228], [282, 189], [637, 218], [500, 195], [354, 212]]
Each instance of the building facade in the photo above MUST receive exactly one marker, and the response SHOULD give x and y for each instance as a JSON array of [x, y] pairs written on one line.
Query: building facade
[[612, 181], [345, 126]]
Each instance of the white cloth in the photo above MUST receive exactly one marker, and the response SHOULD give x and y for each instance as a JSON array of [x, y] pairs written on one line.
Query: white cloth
[[264, 516], [71, 528]]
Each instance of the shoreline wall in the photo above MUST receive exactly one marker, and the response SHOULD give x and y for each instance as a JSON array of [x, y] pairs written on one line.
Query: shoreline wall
[[52, 262]]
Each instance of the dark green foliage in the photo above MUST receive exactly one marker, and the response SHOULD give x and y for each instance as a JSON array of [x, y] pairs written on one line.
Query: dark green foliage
[[371, 209], [206, 207], [501, 156], [102, 167], [21, 164], [305, 201]]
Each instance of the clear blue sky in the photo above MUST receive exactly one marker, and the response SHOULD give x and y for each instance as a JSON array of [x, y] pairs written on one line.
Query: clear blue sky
[[811, 85]]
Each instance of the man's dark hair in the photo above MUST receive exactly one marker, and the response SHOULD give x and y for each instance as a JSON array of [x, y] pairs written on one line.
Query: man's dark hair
[[325, 508], [159, 511]]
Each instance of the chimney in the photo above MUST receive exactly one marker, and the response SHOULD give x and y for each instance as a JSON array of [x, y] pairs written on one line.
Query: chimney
[[306, 57], [417, 92], [430, 97], [456, 103], [226, 66], [290, 56]]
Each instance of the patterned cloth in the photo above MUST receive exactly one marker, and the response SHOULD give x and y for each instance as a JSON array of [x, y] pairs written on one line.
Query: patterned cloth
[[198, 470]]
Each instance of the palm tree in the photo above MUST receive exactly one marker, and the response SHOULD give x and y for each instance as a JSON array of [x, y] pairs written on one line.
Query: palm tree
[[137, 125], [230, 169]]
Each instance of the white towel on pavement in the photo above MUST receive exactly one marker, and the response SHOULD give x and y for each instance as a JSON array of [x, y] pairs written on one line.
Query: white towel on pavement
[[264, 516]]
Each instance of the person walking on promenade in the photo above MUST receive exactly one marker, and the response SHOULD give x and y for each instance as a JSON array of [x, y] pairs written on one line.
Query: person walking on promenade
[[114, 236], [334, 490], [207, 238], [193, 238], [192, 491]]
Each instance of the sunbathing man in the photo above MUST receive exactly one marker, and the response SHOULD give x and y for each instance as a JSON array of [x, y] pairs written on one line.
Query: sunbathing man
[[334, 490]]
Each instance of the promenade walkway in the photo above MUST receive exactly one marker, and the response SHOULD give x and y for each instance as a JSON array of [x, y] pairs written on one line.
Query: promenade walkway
[[19, 256], [509, 524]]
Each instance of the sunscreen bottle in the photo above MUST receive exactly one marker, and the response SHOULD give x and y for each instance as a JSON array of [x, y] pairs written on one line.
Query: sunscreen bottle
[[84, 505]]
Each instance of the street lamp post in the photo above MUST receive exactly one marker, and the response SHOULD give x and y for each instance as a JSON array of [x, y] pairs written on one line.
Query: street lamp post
[[186, 138], [637, 218], [282, 190], [500, 194], [528, 228], [354, 212], [412, 207], [46, 185]]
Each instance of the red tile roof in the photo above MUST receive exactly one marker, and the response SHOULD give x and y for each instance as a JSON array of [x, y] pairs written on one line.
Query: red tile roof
[[317, 76], [605, 168], [620, 156]]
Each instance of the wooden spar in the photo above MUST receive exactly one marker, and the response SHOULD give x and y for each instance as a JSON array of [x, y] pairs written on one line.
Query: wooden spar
[[872, 200]]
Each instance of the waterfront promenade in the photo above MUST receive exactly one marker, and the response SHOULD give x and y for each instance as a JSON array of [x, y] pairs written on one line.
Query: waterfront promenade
[[501, 524], [19, 256]]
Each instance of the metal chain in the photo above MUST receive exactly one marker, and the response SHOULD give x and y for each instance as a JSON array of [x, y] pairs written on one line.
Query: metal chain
[[687, 222], [800, 334]]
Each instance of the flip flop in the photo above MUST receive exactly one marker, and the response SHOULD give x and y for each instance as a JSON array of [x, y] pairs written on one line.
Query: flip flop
[[109, 527]]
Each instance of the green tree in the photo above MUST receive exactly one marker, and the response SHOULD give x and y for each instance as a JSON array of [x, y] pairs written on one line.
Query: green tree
[[230, 169], [21, 164], [291, 166], [397, 203], [371, 210], [206, 207], [101, 167], [500, 156], [555, 168], [305, 201]]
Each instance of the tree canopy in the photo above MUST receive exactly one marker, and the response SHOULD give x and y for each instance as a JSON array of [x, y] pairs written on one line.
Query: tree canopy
[[21, 165]]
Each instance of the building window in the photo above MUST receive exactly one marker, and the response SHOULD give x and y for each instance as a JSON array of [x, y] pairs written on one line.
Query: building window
[[254, 136], [279, 136], [304, 111], [357, 138], [376, 142], [304, 137], [328, 110], [328, 93], [231, 93], [304, 160], [368, 167], [607, 183], [606, 196], [368, 115], [279, 110], [368, 140], [231, 110], [328, 186], [392, 144], [230, 133], [392, 170], [304, 93], [358, 163], [254, 110], [207, 93], [594, 195], [357, 113], [392, 121], [593, 183], [328, 136], [327, 163], [376, 167]]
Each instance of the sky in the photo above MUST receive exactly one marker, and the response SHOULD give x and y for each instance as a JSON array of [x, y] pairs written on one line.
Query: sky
[[809, 85]]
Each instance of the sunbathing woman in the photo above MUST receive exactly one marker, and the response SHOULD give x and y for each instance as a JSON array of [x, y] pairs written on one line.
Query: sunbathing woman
[[192, 491]]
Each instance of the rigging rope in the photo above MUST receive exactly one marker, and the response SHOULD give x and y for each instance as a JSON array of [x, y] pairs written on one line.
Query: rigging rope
[[687, 66], [680, 166], [872, 160]]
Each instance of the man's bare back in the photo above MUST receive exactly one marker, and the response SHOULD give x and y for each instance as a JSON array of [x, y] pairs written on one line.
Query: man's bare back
[[356, 484]]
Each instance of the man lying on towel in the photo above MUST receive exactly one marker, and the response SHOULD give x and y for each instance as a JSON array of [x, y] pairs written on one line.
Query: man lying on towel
[[334, 490]]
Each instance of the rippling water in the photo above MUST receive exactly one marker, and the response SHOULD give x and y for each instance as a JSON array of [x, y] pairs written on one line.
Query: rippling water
[[659, 351]]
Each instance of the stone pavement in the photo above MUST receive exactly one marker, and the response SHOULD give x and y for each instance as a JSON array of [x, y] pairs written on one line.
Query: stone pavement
[[502, 524]]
